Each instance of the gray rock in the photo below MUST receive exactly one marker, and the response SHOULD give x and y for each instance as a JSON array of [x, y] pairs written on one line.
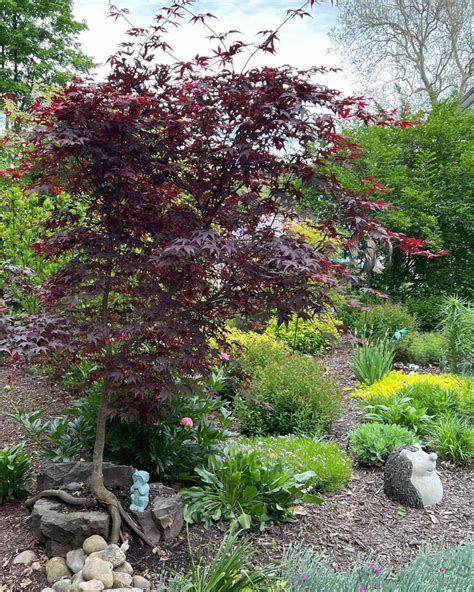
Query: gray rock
[[56, 569], [125, 568], [74, 486], [63, 585], [61, 531], [141, 583], [91, 586], [94, 544], [47, 590], [77, 578], [168, 513], [122, 580], [57, 475], [25, 558], [98, 569], [114, 554], [147, 523], [124, 590], [75, 560]]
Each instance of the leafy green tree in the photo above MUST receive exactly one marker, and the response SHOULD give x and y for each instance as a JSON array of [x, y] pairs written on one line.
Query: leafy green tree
[[38, 45], [429, 169]]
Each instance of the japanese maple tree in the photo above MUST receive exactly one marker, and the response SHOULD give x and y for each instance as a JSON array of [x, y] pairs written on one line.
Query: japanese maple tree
[[183, 169]]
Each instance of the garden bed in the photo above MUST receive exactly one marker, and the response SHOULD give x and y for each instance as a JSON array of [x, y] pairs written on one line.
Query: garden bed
[[355, 522]]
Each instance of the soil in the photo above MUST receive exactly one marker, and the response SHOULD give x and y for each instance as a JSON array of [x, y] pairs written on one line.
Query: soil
[[353, 523]]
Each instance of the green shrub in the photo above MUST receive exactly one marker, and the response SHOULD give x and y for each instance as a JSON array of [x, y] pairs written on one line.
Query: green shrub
[[331, 466], [426, 310], [396, 380], [166, 449], [244, 487], [307, 336], [399, 410], [15, 463], [457, 328], [229, 571], [452, 439], [371, 443], [256, 350], [437, 400], [291, 395], [372, 361], [449, 570], [382, 320], [23, 270], [425, 349]]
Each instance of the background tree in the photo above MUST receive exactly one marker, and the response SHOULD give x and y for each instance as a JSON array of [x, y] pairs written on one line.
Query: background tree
[[428, 168], [38, 45], [417, 49], [181, 170]]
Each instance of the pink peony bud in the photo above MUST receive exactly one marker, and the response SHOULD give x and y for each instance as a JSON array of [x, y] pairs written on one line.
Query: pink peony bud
[[224, 357], [187, 422]]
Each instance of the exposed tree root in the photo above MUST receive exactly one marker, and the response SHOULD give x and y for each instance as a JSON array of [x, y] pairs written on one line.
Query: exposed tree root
[[117, 513], [65, 497]]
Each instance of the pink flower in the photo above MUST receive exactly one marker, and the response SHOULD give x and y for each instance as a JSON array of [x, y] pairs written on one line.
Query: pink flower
[[224, 357], [360, 589], [375, 568], [304, 578], [187, 422]]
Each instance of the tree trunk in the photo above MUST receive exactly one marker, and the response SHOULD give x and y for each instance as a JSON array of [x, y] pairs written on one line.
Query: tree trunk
[[98, 488]]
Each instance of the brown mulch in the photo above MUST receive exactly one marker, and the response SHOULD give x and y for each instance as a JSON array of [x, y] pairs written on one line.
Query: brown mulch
[[353, 523]]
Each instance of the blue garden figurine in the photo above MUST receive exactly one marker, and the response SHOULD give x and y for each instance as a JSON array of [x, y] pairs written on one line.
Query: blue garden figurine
[[399, 333], [140, 491]]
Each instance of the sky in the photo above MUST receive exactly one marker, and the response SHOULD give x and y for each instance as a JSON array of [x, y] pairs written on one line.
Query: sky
[[304, 42]]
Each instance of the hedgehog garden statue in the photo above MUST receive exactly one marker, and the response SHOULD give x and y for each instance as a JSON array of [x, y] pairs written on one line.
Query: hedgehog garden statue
[[410, 477]]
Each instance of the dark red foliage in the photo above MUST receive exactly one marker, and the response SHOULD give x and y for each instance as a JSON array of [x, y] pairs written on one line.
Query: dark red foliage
[[187, 173]]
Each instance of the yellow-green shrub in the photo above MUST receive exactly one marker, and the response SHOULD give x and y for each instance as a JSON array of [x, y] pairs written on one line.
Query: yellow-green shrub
[[396, 380], [255, 349], [308, 337]]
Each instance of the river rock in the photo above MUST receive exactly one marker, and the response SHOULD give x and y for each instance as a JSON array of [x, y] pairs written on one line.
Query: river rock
[[94, 544], [63, 585], [124, 568], [76, 580], [57, 475], [122, 580], [75, 560], [91, 585], [98, 569], [114, 554], [56, 569], [61, 530], [25, 558], [141, 583]]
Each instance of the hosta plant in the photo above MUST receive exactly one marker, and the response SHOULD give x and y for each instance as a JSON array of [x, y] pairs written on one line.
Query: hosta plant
[[401, 411], [243, 487]]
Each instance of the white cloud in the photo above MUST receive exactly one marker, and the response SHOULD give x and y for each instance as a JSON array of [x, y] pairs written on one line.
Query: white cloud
[[304, 42]]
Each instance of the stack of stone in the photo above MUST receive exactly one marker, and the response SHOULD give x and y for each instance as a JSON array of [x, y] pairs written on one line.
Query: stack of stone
[[97, 566]]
